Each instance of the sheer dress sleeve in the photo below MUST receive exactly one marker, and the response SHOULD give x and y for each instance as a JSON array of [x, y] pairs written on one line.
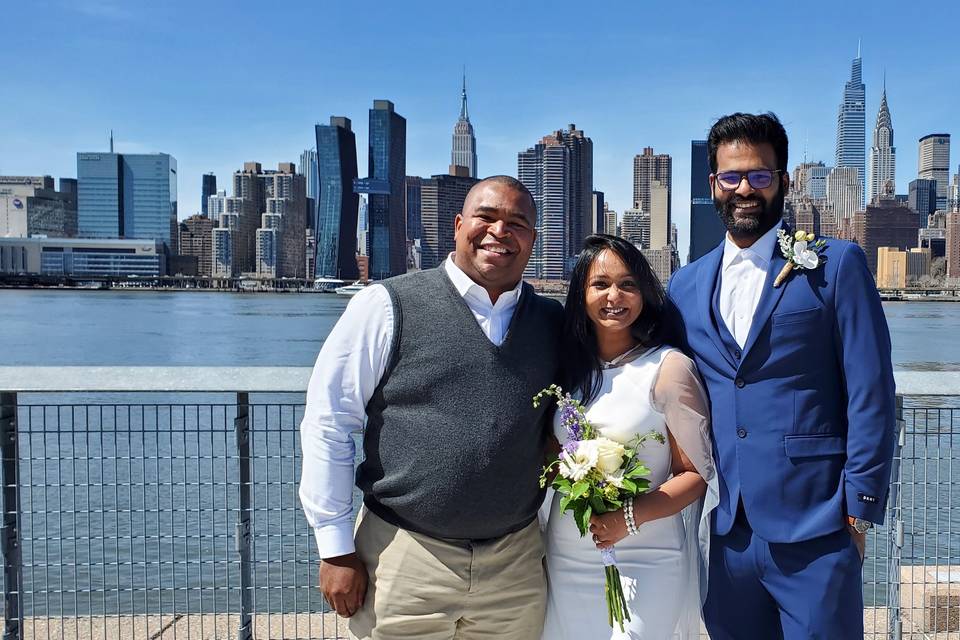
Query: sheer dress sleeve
[[679, 395]]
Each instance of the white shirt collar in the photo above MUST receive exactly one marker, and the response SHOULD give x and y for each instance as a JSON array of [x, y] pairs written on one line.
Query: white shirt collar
[[762, 249], [465, 286]]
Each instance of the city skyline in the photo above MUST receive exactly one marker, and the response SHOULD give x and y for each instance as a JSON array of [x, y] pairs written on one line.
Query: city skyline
[[610, 88]]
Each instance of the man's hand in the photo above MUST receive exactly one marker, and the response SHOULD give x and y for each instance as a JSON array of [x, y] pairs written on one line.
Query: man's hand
[[343, 582], [859, 539]]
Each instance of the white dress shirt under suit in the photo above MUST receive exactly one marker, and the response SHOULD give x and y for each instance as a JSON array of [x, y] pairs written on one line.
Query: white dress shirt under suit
[[348, 370], [742, 274]]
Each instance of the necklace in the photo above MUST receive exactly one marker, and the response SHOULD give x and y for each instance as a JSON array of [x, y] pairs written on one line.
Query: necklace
[[632, 354]]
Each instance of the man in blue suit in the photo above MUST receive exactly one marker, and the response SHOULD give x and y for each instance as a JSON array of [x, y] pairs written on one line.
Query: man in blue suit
[[802, 402]]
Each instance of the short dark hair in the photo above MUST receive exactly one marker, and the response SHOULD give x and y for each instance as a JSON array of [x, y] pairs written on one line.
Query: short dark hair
[[747, 127], [581, 369], [511, 182]]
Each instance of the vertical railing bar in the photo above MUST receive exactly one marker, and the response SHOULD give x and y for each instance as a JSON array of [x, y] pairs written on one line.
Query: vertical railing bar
[[893, 562], [199, 520], [186, 520], [12, 568], [242, 428]]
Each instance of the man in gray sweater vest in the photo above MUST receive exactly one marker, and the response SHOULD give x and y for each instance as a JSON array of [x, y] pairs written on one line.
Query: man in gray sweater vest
[[442, 366]]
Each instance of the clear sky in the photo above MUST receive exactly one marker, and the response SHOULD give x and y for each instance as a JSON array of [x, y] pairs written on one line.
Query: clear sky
[[219, 83]]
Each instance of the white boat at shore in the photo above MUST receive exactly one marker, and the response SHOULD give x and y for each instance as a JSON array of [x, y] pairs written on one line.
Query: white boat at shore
[[327, 285], [351, 289]]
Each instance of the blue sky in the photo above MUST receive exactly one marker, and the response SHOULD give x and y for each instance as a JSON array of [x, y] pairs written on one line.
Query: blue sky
[[219, 83]]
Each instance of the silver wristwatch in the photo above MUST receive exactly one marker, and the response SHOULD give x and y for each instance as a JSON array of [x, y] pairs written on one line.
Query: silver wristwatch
[[860, 525]]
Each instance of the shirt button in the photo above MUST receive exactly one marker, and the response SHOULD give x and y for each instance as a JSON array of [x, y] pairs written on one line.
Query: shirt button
[[741, 433], [740, 383]]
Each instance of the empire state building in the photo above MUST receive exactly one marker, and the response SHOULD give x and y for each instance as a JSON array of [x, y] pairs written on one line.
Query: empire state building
[[464, 151]]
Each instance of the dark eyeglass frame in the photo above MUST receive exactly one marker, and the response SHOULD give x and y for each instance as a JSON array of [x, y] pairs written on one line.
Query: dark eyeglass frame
[[749, 175]]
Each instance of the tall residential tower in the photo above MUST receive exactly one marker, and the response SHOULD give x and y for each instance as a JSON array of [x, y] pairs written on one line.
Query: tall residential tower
[[851, 125]]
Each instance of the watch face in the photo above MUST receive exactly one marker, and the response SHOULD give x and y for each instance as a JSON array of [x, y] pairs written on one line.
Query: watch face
[[862, 526]]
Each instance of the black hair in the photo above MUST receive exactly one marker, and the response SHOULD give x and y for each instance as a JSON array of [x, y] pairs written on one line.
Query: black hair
[[514, 184], [747, 127], [581, 363]]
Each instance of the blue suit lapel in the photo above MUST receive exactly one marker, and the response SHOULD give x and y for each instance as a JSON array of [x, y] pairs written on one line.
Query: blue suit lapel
[[707, 280], [769, 299]]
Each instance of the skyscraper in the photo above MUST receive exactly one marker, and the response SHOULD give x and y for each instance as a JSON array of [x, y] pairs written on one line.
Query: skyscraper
[[413, 184], [127, 196], [635, 228], [844, 190], [648, 167], [441, 199], [599, 206], [935, 164], [923, 198], [464, 152], [706, 228], [308, 167], [337, 204], [558, 171], [196, 240], [883, 155], [208, 188], [851, 125], [660, 223], [385, 187], [545, 170]]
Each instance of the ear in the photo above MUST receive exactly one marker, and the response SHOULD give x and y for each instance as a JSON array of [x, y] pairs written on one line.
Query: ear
[[785, 181], [457, 223], [712, 179]]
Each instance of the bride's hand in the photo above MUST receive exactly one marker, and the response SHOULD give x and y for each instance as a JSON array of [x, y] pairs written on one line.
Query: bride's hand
[[608, 528]]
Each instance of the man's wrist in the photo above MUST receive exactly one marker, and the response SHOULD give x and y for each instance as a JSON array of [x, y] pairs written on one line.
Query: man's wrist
[[859, 524]]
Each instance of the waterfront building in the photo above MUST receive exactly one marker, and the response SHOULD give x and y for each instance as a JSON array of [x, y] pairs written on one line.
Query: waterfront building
[[923, 198], [706, 228], [441, 199], [646, 168], [558, 171], [464, 150], [310, 169], [208, 188], [891, 268], [545, 170], [83, 257], [934, 164], [954, 199], [953, 245], [385, 188], [844, 191], [222, 247], [30, 206], [887, 223], [196, 240], [659, 211], [609, 220], [363, 238], [851, 128], [635, 228], [883, 155], [599, 207], [662, 262], [127, 196], [337, 204], [412, 207]]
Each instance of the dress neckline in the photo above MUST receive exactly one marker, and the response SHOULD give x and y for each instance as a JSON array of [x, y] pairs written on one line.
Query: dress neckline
[[628, 356]]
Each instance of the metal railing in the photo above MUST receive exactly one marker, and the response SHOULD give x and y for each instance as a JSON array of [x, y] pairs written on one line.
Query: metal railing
[[148, 502]]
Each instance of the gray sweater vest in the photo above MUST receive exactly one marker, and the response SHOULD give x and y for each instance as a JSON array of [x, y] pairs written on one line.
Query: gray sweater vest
[[453, 446]]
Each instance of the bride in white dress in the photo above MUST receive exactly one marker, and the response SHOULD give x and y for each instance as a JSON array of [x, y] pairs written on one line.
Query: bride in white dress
[[634, 385]]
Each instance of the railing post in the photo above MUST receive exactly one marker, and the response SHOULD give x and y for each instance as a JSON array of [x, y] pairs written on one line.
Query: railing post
[[895, 529], [242, 427], [10, 530]]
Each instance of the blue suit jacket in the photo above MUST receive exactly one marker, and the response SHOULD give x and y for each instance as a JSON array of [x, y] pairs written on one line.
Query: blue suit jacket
[[804, 418]]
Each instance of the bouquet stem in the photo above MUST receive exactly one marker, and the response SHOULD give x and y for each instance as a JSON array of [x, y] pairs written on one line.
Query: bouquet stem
[[617, 610]]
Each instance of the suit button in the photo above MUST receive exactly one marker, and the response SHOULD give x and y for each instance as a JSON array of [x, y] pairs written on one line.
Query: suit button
[[741, 433], [736, 355], [740, 383]]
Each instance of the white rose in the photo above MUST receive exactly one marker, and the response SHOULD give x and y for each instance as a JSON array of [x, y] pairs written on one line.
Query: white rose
[[807, 259], [609, 455], [576, 465]]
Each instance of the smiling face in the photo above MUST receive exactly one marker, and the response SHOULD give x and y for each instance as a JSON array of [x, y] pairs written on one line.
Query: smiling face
[[613, 297], [747, 212], [494, 236]]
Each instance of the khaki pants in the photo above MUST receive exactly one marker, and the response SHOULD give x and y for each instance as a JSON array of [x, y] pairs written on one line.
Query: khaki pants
[[424, 588]]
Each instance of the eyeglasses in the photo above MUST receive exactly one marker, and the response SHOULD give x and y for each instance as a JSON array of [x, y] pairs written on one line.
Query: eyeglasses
[[757, 178]]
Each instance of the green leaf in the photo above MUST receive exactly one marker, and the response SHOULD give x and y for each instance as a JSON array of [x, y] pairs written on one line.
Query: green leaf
[[583, 519], [579, 489]]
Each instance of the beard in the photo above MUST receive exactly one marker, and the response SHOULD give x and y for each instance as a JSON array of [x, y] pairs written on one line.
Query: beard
[[752, 226]]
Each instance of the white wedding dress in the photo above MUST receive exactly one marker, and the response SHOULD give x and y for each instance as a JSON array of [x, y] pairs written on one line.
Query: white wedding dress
[[663, 567]]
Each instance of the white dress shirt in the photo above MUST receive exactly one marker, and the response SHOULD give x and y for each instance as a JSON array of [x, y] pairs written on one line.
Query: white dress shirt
[[351, 363], [742, 276]]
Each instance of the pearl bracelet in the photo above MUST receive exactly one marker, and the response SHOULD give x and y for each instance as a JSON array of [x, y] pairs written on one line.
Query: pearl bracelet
[[628, 517]]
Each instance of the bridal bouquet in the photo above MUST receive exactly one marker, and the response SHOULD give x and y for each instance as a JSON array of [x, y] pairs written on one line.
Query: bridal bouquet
[[595, 475]]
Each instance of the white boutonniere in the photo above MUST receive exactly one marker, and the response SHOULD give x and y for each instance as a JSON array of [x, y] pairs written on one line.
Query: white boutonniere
[[800, 250]]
